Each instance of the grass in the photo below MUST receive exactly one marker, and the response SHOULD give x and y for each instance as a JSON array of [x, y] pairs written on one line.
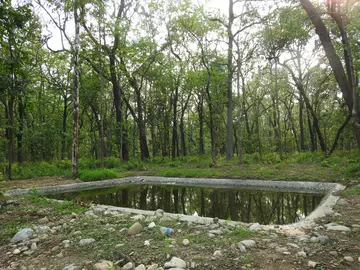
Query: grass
[[307, 166]]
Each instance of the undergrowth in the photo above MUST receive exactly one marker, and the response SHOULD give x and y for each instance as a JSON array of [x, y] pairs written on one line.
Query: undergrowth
[[306, 166]]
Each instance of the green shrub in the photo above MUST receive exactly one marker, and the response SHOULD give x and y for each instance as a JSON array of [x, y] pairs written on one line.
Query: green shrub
[[96, 175], [112, 162], [352, 169]]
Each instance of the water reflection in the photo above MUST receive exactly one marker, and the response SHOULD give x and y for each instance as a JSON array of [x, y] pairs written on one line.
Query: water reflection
[[265, 207]]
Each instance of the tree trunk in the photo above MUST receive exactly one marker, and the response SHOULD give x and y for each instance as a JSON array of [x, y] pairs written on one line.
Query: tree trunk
[[64, 120], [230, 70], [21, 108], [75, 148], [174, 141], [200, 108]]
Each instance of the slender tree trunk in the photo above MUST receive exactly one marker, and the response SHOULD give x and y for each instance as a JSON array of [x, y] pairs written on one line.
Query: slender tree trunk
[[21, 108], [75, 148], [63, 135], [230, 70], [200, 108], [174, 144], [10, 136], [301, 123]]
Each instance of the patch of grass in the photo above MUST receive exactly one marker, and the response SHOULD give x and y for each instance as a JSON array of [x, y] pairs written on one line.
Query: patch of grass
[[239, 234], [96, 175], [245, 259], [350, 191], [28, 170]]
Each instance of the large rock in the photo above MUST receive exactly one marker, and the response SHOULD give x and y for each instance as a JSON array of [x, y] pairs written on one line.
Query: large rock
[[159, 213], [254, 226], [87, 241], [136, 228], [103, 265], [175, 263], [22, 235]]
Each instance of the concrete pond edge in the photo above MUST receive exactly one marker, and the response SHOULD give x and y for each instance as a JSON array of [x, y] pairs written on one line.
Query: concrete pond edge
[[323, 209]]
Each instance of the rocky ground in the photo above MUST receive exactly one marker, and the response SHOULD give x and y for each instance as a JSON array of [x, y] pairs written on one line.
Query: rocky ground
[[70, 236]]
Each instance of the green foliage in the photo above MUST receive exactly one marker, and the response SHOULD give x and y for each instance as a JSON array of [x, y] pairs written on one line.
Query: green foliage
[[96, 175], [28, 170], [240, 234]]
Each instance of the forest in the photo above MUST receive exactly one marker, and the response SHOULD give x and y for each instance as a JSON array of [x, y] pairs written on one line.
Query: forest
[[150, 80]]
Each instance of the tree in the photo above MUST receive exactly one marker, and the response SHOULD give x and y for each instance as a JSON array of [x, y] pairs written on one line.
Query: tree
[[344, 77]]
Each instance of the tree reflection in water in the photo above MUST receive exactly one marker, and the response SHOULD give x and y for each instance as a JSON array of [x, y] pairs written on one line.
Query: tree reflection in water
[[265, 207]]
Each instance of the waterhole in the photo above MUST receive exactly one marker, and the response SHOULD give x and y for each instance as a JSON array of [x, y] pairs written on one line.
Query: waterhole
[[265, 207]]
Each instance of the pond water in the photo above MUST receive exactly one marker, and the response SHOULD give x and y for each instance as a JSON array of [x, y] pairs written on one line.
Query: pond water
[[265, 207]]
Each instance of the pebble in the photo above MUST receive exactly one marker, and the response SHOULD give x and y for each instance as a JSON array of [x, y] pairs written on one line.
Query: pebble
[[43, 220], [281, 250], [241, 247], [140, 267], [60, 255], [159, 213], [175, 263], [217, 253], [16, 251], [56, 248], [312, 264], [147, 243], [302, 254], [248, 243], [185, 242], [84, 242], [128, 266], [348, 259], [103, 265], [333, 252], [216, 232], [136, 228], [254, 226], [138, 217], [340, 228], [33, 246], [359, 259], [152, 225], [153, 267]]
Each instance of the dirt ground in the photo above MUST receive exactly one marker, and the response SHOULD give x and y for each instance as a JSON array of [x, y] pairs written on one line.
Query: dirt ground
[[274, 249]]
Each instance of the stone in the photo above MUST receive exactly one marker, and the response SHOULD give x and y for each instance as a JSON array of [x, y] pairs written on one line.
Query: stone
[[71, 267], [153, 267], [147, 243], [348, 259], [312, 264], [103, 265], [286, 253], [159, 213], [333, 252], [128, 266], [65, 242], [185, 242], [22, 235], [175, 262], [16, 251], [136, 228], [140, 267], [152, 225], [248, 243], [43, 220], [292, 245], [215, 219], [281, 250], [138, 217], [28, 252], [324, 239], [87, 241], [33, 246], [254, 226], [339, 228], [359, 259], [217, 253], [60, 255], [211, 235], [56, 248], [76, 233], [216, 232], [119, 245], [241, 247], [302, 254], [42, 228], [165, 219], [89, 213]]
